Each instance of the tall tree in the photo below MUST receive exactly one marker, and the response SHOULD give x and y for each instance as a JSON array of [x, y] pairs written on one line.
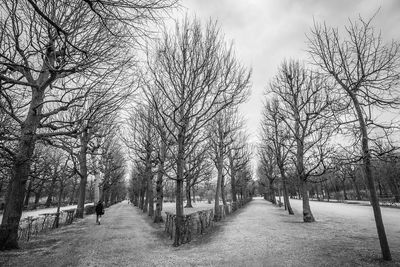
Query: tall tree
[[47, 43], [197, 77], [239, 156], [366, 71], [222, 129], [306, 112], [276, 137]]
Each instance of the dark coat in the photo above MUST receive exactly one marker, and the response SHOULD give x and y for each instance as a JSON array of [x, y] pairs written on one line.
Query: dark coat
[[99, 208]]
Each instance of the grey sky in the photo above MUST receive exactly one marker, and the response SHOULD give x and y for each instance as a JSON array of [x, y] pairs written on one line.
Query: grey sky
[[265, 32]]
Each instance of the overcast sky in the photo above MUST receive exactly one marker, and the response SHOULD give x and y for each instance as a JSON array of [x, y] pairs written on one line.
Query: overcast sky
[[265, 32]]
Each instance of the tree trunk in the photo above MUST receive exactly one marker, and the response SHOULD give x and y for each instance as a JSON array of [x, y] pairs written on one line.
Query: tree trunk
[[50, 190], [286, 196], [159, 184], [217, 211], [83, 173], [394, 188], [193, 194], [56, 224], [307, 214], [159, 192], [73, 191], [150, 194], [223, 195], [28, 193], [14, 204], [188, 194], [328, 195], [97, 178], [21, 166], [271, 191], [106, 196], [317, 192], [146, 199], [322, 190], [233, 181], [179, 190], [38, 194], [142, 193], [344, 190], [355, 186], [370, 181]]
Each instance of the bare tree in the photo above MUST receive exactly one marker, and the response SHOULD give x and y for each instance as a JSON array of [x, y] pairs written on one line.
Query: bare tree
[[276, 138], [305, 110], [197, 76], [239, 156], [113, 167], [37, 61], [267, 171], [222, 129], [142, 142], [366, 71]]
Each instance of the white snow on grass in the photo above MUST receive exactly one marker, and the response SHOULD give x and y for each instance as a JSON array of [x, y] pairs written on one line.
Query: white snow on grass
[[37, 212]]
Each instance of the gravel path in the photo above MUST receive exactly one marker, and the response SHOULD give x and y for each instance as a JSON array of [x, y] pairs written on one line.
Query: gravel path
[[258, 235]]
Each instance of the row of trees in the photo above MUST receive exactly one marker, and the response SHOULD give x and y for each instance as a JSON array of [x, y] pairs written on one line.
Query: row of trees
[[66, 68], [321, 123], [55, 177], [345, 181], [187, 126]]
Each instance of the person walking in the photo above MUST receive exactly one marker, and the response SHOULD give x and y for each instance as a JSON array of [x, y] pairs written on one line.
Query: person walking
[[99, 211]]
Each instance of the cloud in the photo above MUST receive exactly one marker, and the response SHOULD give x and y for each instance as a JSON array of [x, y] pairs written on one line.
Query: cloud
[[265, 32]]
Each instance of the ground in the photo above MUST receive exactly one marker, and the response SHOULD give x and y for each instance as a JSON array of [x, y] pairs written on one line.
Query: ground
[[260, 234]]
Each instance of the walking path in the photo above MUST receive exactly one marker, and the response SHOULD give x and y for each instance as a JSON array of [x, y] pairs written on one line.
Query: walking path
[[258, 235]]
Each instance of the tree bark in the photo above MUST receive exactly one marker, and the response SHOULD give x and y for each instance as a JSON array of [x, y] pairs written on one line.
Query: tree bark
[[159, 185], [83, 173], [28, 193], [50, 190], [179, 190], [150, 194], [56, 224], [286, 195], [328, 195], [142, 193], [217, 211], [146, 198], [271, 191], [73, 191], [233, 180], [20, 174], [38, 194], [307, 214], [370, 181], [159, 189], [188, 194], [223, 195], [344, 190]]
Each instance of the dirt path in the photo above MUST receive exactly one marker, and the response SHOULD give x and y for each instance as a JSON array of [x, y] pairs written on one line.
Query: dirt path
[[258, 235]]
